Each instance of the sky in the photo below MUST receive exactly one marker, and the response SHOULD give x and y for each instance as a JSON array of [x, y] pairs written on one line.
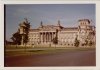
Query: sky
[[49, 14]]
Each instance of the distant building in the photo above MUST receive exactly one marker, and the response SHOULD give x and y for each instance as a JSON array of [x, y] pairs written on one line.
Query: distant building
[[44, 34]]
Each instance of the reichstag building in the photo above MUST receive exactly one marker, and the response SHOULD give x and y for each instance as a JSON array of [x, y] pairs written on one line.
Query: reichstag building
[[65, 36]]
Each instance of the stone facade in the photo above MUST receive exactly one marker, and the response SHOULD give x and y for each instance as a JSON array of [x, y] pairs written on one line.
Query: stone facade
[[45, 34]]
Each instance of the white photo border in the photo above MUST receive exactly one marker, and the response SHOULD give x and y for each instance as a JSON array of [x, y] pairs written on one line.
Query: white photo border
[[97, 67]]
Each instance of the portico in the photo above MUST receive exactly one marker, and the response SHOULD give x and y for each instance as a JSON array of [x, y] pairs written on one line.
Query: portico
[[47, 37]]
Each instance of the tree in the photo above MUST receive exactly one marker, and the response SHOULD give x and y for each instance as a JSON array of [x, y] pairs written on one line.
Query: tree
[[86, 42], [24, 30], [16, 37], [55, 40], [76, 42], [90, 43]]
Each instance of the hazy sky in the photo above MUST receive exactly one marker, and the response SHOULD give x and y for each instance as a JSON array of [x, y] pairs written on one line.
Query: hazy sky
[[68, 14]]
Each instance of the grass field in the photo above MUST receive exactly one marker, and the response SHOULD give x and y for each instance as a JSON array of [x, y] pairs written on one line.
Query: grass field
[[19, 51]]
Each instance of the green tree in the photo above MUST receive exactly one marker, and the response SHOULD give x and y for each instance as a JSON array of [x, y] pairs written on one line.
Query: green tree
[[76, 43], [55, 40], [90, 43], [27, 24], [24, 31], [16, 38], [86, 42]]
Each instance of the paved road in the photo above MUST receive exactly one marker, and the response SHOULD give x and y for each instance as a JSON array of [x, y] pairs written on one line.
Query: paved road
[[79, 58]]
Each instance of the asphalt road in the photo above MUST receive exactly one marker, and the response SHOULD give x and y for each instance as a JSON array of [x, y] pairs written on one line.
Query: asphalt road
[[77, 58]]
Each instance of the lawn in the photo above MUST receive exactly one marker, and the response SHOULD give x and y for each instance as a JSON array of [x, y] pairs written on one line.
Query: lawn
[[19, 51]]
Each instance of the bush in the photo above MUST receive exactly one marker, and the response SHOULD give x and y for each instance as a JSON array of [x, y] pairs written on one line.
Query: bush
[[76, 42]]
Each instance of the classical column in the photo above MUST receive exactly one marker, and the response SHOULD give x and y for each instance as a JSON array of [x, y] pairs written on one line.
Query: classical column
[[45, 37], [50, 37], [54, 35], [41, 37]]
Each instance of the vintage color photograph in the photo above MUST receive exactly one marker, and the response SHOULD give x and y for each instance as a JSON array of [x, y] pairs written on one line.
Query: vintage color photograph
[[39, 35]]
